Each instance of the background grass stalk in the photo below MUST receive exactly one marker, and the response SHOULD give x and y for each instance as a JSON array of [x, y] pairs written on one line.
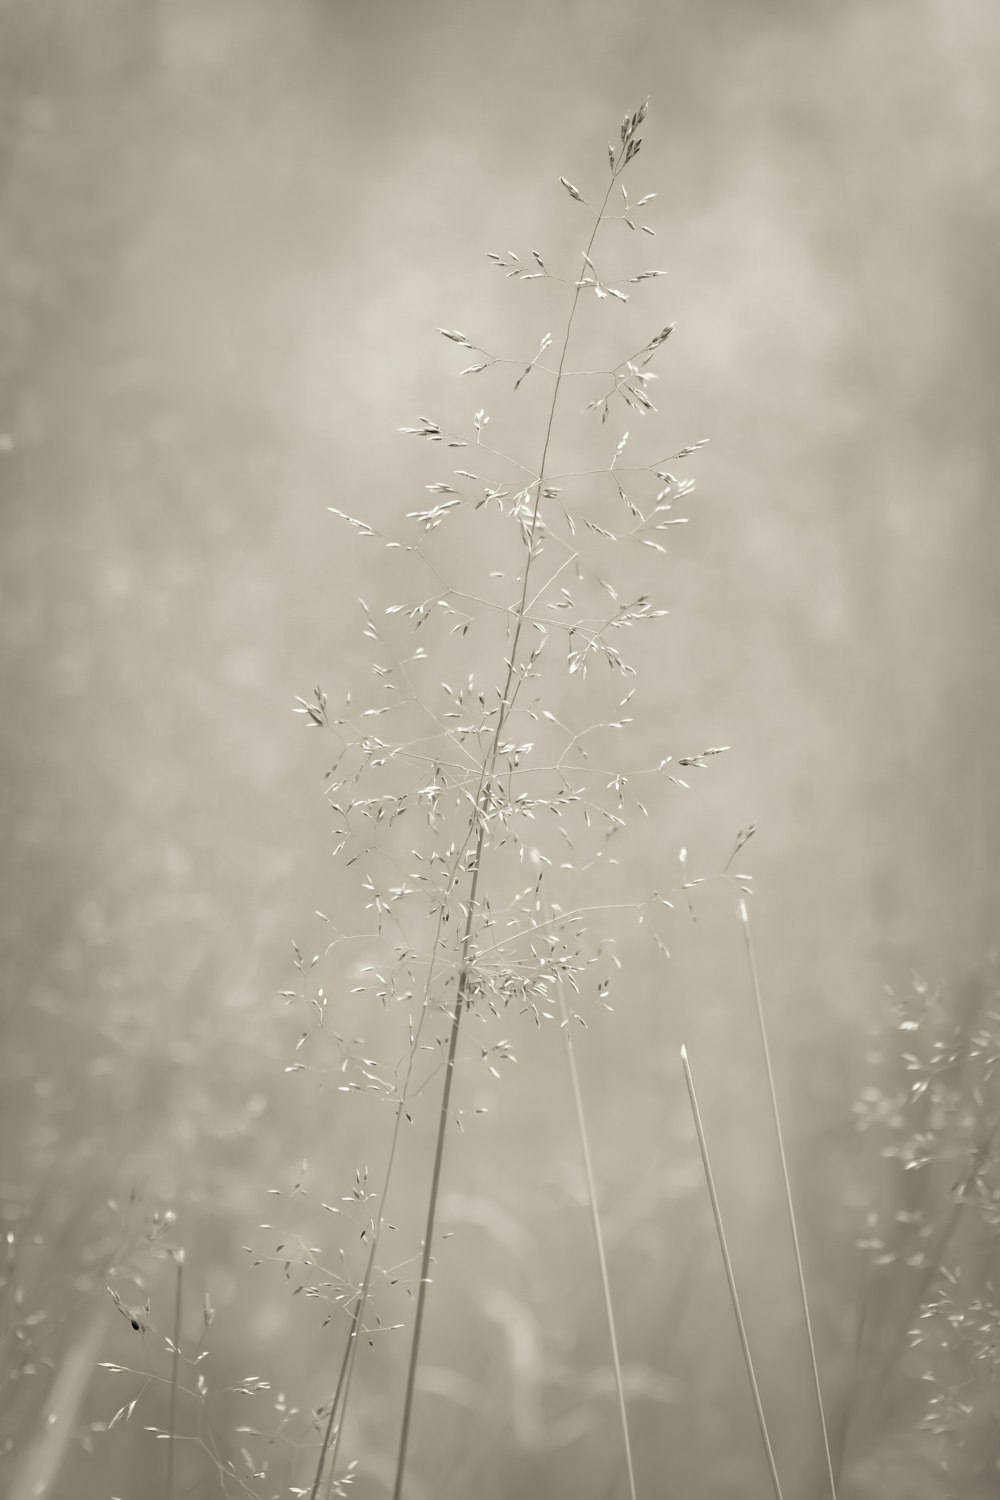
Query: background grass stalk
[[723, 1246], [752, 961], [595, 1220], [855, 1377], [481, 817], [175, 1370]]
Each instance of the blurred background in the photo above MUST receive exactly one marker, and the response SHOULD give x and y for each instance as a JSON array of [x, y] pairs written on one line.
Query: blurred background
[[228, 231]]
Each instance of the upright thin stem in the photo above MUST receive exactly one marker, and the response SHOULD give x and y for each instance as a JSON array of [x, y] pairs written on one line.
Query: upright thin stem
[[481, 818], [723, 1246], [432, 1201], [339, 1400], [175, 1370], [595, 1220], [856, 1376], [745, 915]]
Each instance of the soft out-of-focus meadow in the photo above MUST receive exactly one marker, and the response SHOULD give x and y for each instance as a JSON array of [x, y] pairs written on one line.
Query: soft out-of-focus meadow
[[228, 231]]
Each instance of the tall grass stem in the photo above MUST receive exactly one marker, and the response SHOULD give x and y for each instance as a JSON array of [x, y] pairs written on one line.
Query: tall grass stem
[[595, 1220], [481, 819], [175, 1370], [723, 1246], [752, 961]]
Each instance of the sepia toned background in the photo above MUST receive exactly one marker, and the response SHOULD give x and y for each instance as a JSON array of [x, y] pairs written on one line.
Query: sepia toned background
[[228, 231]]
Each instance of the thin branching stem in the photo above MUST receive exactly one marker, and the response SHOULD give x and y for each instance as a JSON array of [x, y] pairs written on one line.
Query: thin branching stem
[[731, 1279], [752, 961], [481, 818], [335, 1420], [334, 1429], [595, 1221], [350, 1351], [432, 1201], [338, 1405]]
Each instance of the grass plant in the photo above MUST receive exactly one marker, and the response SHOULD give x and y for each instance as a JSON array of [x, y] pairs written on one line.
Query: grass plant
[[484, 781]]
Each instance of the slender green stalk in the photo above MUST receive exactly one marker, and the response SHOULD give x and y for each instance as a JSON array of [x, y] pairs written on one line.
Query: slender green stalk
[[751, 958], [481, 819], [723, 1246], [175, 1370], [595, 1220]]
